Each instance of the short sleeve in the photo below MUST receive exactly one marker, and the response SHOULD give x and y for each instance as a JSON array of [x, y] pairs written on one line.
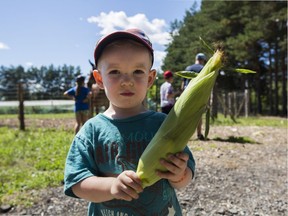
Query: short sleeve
[[71, 92], [79, 164], [191, 162], [170, 89]]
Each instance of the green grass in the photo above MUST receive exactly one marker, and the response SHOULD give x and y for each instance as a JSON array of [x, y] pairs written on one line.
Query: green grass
[[48, 116], [40, 116], [31, 160], [251, 121], [38, 109]]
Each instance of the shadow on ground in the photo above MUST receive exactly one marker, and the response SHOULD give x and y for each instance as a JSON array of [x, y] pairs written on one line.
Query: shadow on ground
[[237, 140]]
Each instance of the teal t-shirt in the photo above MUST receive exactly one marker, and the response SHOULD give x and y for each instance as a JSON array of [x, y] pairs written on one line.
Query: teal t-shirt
[[107, 147]]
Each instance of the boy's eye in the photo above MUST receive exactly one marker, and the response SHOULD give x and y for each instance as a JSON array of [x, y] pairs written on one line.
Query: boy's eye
[[139, 72], [114, 72]]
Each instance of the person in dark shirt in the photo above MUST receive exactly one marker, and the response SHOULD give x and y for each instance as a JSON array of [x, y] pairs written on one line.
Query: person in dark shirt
[[200, 61]]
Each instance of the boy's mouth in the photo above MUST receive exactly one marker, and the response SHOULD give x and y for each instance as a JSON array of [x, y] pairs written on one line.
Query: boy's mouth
[[127, 94]]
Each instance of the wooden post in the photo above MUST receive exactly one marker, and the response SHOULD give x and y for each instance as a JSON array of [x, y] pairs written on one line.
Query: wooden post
[[235, 104], [21, 106], [230, 103], [230, 106], [225, 104], [214, 98], [246, 98]]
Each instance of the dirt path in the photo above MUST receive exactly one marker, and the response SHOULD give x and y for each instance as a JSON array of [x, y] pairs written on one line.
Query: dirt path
[[235, 178], [235, 175]]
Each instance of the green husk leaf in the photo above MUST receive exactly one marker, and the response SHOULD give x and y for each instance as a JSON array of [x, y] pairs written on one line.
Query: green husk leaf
[[209, 49], [245, 71], [187, 74]]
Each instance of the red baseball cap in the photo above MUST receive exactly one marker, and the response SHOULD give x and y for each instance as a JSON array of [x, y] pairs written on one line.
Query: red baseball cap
[[134, 34], [168, 74]]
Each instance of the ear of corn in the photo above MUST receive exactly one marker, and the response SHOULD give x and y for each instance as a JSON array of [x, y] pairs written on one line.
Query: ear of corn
[[181, 122]]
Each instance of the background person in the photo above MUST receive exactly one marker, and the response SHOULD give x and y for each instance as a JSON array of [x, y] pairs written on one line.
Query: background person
[[81, 95], [167, 94], [102, 160], [200, 61]]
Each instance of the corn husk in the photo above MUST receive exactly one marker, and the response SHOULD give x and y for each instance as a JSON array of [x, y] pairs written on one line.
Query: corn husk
[[181, 122]]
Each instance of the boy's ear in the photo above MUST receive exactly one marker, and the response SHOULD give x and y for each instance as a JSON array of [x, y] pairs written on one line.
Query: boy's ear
[[151, 78], [98, 78]]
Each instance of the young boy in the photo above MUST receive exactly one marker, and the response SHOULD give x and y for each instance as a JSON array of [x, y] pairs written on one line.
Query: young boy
[[103, 157], [200, 61]]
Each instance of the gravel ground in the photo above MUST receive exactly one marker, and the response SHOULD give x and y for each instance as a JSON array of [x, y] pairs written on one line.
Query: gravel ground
[[235, 176]]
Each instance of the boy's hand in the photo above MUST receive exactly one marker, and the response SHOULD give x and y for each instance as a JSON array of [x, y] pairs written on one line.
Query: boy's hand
[[176, 165], [126, 186]]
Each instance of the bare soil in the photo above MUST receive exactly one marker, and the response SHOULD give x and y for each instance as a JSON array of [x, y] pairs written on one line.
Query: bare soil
[[239, 171]]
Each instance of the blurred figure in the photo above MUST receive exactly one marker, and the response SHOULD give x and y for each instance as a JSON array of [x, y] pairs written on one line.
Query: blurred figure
[[98, 99], [81, 95], [200, 61], [167, 94]]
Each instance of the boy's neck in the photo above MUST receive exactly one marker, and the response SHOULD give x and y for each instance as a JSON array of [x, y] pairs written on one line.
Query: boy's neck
[[120, 113]]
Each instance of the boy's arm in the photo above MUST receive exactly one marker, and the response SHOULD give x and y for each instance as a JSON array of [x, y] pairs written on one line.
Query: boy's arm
[[126, 186], [67, 94], [89, 189]]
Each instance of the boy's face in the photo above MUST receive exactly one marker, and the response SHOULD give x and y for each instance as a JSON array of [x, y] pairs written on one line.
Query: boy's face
[[125, 74]]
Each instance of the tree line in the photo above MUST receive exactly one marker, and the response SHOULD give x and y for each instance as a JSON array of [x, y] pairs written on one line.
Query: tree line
[[253, 35], [46, 82]]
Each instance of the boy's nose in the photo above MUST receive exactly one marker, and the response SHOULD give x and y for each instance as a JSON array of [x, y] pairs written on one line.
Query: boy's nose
[[126, 80]]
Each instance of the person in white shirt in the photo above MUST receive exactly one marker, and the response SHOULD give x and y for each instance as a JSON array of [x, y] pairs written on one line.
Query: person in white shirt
[[167, 94]]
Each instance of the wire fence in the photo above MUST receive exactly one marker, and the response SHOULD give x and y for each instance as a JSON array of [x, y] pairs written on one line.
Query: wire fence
[[12, 94], [34, 101], [20, 97]]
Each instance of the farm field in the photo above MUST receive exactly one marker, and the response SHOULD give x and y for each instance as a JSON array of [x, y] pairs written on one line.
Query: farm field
[[241, 170]]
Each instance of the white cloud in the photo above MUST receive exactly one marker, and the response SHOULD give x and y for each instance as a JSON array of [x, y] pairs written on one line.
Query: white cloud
[[158, 59], [112, 21], [156, 29], [4, 46]]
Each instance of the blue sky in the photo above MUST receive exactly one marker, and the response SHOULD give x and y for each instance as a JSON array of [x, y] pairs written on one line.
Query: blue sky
[[58, 32]]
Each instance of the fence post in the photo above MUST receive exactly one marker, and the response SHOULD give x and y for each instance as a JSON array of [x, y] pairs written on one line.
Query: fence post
[[235, 104], [21, 106], [230, 110], [226, 104], [214, 102], [247, 98]]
